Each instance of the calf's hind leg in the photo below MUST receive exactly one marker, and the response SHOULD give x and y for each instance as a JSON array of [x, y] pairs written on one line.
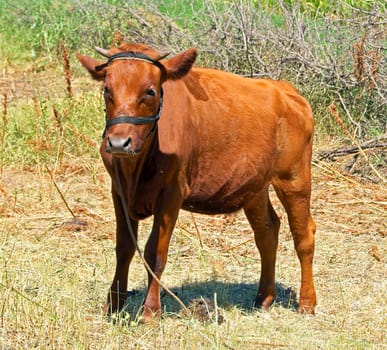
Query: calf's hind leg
[[265, 224], [294, 194]]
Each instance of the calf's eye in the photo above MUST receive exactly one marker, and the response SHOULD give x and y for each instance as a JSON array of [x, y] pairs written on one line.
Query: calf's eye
[[151, 92]]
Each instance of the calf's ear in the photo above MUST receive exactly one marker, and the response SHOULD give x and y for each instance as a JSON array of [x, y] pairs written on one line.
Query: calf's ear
[[179, 65], [90, 64]]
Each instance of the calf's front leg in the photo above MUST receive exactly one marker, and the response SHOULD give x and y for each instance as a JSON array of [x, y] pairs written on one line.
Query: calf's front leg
[[125, 249], [156, 252]]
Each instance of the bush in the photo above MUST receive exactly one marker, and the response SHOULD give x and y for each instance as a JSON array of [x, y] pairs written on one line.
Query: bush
[[336, 58], [333, 54]]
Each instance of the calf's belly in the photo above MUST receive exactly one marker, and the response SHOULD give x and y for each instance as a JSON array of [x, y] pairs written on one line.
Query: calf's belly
[[222, 202]]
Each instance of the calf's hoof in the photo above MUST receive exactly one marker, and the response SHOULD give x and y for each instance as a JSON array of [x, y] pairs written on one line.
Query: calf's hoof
[[307, 305], [108, 309], [263, 302], [306, 309], [114, 304], [150, 314]]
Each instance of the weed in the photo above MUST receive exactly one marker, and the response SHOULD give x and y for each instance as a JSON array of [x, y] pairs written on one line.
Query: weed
[[3, 132], [67, 70], [358, 56]]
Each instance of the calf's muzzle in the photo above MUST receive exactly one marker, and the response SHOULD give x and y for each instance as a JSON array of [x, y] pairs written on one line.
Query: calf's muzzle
[[118, 145]]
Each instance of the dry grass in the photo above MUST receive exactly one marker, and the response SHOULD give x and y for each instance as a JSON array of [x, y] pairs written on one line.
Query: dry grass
[[54, 276]]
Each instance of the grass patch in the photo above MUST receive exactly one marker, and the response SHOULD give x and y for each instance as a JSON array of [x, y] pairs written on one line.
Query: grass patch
[[46, 129]]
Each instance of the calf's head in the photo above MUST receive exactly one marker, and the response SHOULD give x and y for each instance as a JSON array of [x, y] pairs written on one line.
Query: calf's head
[[133, 76]]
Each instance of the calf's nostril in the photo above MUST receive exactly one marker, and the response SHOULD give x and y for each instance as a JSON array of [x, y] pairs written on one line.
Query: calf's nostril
[[127, 142]]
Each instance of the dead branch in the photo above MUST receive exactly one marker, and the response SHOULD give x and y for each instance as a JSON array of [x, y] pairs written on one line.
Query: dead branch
[[333, 110], [60, 192], [332, 154]]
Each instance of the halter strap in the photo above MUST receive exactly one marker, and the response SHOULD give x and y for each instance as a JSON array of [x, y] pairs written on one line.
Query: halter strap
[[129, 55]]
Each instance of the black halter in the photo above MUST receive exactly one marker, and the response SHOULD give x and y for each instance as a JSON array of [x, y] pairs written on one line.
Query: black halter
[[125, 119], [137, 120]]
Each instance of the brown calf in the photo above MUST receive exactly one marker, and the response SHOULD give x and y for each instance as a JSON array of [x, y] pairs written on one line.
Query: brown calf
[[220, 142]]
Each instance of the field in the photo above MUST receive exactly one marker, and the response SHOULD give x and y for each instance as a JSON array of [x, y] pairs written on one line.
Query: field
[[57, 229], [55, 273]]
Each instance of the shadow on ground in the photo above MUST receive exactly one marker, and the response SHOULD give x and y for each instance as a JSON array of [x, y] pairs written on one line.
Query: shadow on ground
[[228, 295]]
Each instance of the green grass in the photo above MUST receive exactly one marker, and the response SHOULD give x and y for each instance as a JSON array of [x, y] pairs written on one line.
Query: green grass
[[30, 29], [47, 129]]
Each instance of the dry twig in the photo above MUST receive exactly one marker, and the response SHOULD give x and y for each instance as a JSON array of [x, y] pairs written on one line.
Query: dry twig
[[60, 192], [333, 109], [373, 144], [4, 126], [197, 230]]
